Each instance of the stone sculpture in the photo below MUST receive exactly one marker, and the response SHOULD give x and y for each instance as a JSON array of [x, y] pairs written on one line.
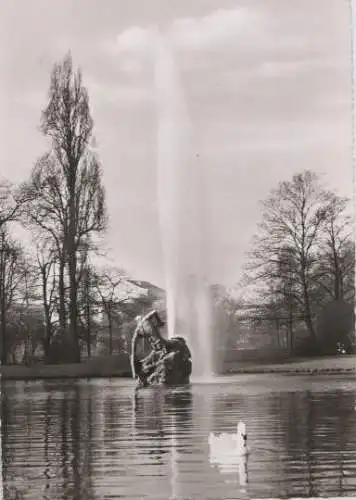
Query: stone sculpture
[[169, 362]]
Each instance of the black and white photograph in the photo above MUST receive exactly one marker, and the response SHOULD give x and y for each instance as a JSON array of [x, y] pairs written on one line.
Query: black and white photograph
[[177, 249]]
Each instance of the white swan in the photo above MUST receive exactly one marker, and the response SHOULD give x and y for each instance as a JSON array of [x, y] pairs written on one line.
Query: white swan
[[230, 452], [225, 443]]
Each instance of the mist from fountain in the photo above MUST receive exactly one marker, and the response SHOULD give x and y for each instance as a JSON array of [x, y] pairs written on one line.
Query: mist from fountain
[[182, 215]]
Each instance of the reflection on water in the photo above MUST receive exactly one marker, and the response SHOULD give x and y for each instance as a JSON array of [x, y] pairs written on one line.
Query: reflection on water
[[100, 439]]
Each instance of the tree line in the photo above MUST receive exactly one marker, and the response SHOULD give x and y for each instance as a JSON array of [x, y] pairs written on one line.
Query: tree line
[[51, 294], [303, 255]]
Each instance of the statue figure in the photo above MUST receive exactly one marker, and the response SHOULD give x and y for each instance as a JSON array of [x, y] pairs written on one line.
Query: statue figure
[[169, 362]]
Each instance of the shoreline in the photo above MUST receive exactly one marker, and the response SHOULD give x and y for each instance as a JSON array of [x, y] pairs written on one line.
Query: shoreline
[[97, 367], [53, 372], [343, 365], [333, 365]]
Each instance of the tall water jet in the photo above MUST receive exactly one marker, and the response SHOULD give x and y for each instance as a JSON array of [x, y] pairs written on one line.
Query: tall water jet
[[172, 133], [182, 215]]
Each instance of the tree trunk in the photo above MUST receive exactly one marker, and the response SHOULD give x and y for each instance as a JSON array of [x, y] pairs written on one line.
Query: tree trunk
[[110, 332], [4, 346], [28, 341], [72, 267], [48, 333], [62, 307], [337, 280], [306, 302], [290, 320], [46, 308], [3, 337], [308, 320], [290, 330], [341, 281], [88, 319], [73, 314]]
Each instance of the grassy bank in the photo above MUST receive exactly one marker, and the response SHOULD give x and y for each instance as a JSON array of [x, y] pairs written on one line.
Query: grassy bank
[[325, 365], [118, 366], [103, 366]]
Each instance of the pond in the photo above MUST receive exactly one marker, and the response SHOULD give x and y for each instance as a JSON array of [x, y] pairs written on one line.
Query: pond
[[96, 439]]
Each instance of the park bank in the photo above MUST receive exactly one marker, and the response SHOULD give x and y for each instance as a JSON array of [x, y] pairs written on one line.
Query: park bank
[[119, 366]]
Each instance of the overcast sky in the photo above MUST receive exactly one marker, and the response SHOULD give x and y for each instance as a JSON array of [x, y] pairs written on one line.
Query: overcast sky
[[267, 85]]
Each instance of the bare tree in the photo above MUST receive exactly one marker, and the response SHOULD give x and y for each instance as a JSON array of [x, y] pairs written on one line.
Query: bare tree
[[335, 259], [28, 297], [10, 264], [69, 202], [292, 218], [108, 283], [12, 200], [46, 257], [89, 305], [47, 216]]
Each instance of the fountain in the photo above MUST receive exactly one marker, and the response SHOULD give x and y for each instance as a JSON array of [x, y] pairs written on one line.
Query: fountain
[[182, 215]]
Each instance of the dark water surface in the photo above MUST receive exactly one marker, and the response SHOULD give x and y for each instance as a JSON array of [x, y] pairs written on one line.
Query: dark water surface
[[95, 440]]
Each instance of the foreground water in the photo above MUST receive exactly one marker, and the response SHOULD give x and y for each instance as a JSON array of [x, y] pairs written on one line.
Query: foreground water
[[96, 440]]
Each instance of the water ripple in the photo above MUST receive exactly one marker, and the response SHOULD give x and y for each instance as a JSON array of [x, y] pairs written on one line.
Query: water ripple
[[98, 440]]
